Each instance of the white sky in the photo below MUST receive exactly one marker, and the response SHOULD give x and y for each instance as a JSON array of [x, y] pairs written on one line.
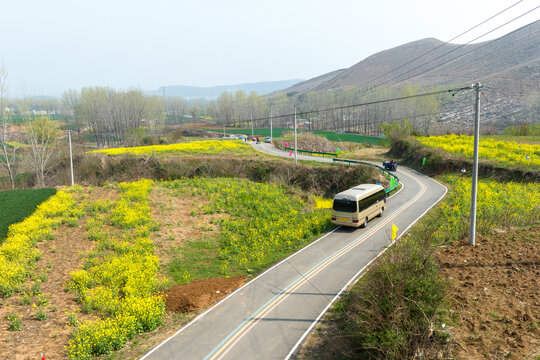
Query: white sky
[[48, 46]]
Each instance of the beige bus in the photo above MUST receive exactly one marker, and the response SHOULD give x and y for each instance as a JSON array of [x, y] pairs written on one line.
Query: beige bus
[[356, 206]]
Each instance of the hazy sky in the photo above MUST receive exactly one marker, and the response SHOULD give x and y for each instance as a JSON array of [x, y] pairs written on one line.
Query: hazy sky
[[53, 45]]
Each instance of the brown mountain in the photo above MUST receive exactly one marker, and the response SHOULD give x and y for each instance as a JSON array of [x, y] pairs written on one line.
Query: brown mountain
[[508, 66]]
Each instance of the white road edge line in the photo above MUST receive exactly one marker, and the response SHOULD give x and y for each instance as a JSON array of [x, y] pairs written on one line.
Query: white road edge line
[[200, 316], [359, 274]]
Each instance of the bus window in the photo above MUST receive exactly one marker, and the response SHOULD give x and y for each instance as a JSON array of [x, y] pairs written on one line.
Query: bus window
[[344, 205]]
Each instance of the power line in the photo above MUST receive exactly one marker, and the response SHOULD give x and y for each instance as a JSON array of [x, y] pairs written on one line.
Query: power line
[[445, 43], [374, 88], [425, 71], [455, 90], [459, 47]]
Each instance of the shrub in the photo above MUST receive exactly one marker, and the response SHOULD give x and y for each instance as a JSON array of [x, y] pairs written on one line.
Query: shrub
[[391, 311], [15, 323]]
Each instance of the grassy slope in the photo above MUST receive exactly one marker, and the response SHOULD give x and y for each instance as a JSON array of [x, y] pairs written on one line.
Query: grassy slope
[[15, 205]]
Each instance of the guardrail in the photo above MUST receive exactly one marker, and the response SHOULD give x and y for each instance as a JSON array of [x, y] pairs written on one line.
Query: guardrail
[[312, 152], [395, 183]]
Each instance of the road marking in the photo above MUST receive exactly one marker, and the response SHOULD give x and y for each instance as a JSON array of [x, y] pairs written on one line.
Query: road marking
[[200, 316], [360, 273], [237, 334]]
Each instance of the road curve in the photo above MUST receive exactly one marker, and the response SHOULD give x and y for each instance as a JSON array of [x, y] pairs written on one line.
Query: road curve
[[268, 317]]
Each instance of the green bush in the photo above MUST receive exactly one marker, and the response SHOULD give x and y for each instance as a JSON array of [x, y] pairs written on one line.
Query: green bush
[[390, 313], [15, 323]]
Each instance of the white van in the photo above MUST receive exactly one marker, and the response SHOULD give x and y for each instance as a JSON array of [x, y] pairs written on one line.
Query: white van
[[356, 206]]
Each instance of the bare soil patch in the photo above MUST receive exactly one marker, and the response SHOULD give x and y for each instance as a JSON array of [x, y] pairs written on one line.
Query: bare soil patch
[[495, 294], [200, 293], [173, 213]]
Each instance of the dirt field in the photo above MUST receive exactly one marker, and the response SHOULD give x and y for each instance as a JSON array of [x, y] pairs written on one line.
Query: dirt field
[[495, 295], [62, 255]]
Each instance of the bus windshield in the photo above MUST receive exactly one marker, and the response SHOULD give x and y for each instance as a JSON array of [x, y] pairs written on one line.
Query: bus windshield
[[344, 205]]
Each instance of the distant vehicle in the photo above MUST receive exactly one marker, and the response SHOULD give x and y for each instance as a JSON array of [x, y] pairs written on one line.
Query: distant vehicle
[[267, 140], [356, 206], [253, 138], [233, 136], [390, 165]]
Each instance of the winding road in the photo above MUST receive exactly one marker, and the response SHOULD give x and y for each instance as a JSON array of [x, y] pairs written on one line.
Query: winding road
[[270, 316]]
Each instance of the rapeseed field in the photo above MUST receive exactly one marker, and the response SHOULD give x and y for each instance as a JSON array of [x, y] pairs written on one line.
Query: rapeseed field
[[499, 205], [503, 152], [205, 147]]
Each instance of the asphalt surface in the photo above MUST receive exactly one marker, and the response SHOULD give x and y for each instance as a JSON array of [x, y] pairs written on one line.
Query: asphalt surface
[[270, 316]]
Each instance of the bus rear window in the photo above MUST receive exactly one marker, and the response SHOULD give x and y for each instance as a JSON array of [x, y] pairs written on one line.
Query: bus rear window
[[345, 205]]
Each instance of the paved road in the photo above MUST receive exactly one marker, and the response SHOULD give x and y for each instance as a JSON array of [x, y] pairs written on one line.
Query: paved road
[[269, 316]]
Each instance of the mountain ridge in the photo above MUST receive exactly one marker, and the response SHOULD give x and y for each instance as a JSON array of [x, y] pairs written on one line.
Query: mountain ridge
[[212, 92], [508, 67]]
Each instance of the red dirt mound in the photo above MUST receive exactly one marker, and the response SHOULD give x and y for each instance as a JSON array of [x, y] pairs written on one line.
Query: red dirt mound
[[200, 293]]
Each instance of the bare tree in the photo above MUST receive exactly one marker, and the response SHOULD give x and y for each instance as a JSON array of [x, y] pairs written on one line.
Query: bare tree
[[176, 107], [42, 135], [8, 152]]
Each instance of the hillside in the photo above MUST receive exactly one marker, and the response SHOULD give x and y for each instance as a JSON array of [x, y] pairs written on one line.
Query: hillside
[[509, 68], [212, 92], [310, 84]]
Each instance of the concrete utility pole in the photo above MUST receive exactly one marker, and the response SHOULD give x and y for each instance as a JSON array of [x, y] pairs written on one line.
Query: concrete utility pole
[[472, 230], [271, 137], [295, 143], [71, 158], [251, 116]]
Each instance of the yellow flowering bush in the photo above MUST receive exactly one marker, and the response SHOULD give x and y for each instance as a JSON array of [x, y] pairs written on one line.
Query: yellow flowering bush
[[18, 252], [120, 279], [498, 205], [322, 203], [505, 152], [206, 147]]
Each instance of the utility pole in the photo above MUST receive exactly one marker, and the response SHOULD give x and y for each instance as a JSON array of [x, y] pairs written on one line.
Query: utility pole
[[251, 116], [71, 158], [271, 137], [472, 229], [295, 143]]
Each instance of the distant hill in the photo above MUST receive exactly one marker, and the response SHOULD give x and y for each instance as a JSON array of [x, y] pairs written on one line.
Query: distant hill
[[212, 92], [509, 67]]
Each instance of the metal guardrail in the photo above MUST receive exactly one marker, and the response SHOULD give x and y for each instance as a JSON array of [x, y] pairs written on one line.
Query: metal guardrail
[[367, 163], [312, 152]]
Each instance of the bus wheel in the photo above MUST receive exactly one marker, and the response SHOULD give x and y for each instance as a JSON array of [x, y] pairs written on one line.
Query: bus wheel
[[365, 223], [381, 212]]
